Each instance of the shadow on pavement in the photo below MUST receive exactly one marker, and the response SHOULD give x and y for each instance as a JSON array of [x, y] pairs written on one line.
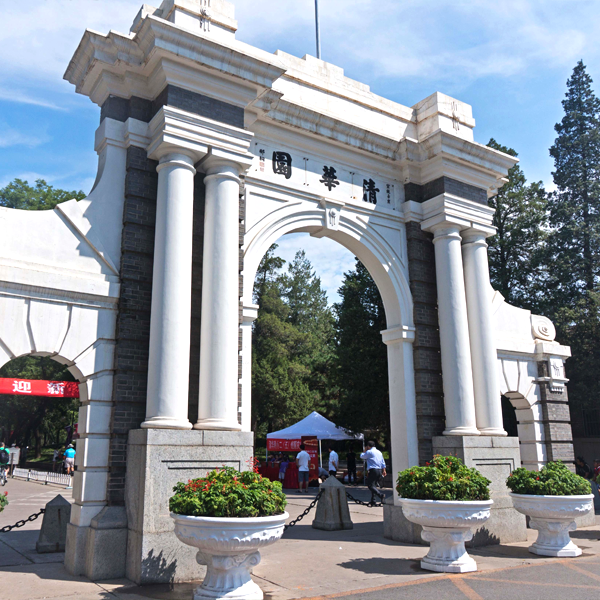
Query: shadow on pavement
[[383, 566]]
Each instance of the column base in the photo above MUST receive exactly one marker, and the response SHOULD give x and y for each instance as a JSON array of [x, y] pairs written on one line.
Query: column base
[[462, 431], [218, 424], [493, 431], [165, 423]]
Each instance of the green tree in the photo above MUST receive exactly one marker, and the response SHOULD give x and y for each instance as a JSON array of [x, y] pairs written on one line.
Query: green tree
[[310, 313], [574, 243], [19, 194], [280, 378], [516, 251], [573, 248], [362, 356]]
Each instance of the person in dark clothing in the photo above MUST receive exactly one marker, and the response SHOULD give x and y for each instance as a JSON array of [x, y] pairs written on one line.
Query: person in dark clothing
[[351, 462], [582, 468]]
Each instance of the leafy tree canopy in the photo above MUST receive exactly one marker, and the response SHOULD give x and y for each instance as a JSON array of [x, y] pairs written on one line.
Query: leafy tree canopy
[[19, 194]]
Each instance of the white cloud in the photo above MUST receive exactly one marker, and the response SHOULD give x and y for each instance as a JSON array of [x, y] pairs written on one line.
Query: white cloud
[[10, 137], [329, 259], [442, 41]]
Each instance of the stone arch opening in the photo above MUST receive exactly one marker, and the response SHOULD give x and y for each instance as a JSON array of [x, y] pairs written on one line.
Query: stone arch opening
[[389, 274], [26, 370]]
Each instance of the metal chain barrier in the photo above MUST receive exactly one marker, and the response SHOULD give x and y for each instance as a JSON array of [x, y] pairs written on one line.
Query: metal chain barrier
[[23, 521], [370, 504], [310, 507]]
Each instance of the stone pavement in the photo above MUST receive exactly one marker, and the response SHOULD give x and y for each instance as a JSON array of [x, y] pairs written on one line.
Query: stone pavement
[[313, 564]]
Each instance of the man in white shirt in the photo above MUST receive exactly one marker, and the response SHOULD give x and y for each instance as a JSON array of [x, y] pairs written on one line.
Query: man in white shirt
[[302, 460], [375, 469], [333, 461]]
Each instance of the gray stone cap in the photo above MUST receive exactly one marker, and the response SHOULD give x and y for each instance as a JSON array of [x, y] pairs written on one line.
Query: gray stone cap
[[193, 437]]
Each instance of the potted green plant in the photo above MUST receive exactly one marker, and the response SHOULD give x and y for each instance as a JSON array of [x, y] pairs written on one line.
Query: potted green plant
[[3, 501], [552, 498], [448, 500], [229, 516]]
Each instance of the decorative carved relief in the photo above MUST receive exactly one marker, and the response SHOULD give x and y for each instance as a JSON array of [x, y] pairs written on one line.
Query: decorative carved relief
[[542, 328]]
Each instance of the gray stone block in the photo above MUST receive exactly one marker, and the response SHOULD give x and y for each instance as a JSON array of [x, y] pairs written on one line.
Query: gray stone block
[[156, 461], [397, 527], [75, 549], [332, 509], [53, 534], [106, 547]]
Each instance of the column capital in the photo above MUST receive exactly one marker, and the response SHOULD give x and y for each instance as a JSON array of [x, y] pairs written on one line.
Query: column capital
[[223, 163], [249, 313], [477, 236], [176, 159]]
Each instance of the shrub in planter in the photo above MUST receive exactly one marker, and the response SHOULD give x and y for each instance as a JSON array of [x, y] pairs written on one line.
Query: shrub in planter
[[552, 498], [229, 516], [3, 501], [555, 479], [445, 478], [448, 500], [228, 493]]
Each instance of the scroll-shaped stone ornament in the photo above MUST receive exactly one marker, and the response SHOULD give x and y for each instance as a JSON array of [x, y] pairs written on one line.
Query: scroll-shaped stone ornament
[[542, 328]]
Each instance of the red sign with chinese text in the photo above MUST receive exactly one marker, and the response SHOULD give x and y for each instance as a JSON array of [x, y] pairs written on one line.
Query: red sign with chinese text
[[39, 387], [276, 445]]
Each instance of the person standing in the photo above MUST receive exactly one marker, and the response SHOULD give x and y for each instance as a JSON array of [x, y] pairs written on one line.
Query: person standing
[[375, 470], [302, 460], [4, 459], [55, 459], [351, 463], [333, 462], [283, 465]]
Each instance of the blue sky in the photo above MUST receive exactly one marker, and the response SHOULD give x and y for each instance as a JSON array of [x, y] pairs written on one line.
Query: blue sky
[[510, 60]]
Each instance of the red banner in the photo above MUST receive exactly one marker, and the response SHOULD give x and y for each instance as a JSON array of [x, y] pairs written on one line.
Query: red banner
[[277, 445], [38, 387]]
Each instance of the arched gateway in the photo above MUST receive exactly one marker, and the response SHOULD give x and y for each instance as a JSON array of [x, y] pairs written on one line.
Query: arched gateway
[[209, 150]]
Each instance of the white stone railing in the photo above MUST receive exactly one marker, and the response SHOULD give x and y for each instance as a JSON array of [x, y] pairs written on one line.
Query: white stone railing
[[42, 476]]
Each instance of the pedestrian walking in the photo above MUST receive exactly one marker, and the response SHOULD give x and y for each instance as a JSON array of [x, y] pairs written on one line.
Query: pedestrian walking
[[375, 470], [70, 459], [302, 460], [351, 463], [4, 458], [333, 461]]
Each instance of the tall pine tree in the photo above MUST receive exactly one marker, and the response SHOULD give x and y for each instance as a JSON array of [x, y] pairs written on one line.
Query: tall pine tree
[[362, 356], [515, 252], [574, 240]]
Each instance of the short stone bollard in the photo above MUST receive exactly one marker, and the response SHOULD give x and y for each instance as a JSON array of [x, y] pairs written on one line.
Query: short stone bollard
[[54, 526], [332, 509]]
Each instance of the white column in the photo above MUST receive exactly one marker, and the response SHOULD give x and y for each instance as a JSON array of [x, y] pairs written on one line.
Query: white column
[[219, 328], [403, 410], [459, 403], [168, 365], [249, 315], [488, 403]]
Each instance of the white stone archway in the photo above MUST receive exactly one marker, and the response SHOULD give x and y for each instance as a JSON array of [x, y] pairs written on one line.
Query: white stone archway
[[385, 262]]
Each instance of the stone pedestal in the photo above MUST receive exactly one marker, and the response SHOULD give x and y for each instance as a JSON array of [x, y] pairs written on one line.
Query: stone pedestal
[[53, 533], [494, 457], [332, 509], [156, 460]]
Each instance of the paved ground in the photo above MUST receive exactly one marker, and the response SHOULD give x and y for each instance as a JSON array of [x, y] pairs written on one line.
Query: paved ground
[[312, 564]]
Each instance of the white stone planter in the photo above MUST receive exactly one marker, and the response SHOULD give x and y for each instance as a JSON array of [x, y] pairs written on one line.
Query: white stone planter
[[229, 547], [447, 525], [553, 517]]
